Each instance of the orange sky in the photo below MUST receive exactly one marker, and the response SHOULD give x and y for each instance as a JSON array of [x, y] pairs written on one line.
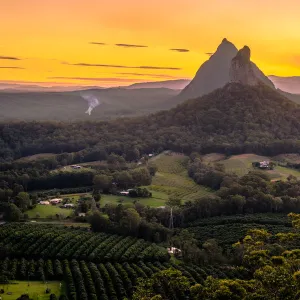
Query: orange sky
[[50, 37]]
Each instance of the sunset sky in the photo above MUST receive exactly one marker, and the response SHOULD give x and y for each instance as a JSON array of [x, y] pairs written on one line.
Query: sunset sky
[[118, 42]]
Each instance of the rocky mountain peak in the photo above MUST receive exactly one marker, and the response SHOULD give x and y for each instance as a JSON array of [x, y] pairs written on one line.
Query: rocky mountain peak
[[241, 69]]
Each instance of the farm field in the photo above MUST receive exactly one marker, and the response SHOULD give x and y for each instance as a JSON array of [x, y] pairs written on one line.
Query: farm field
[[158, 199], [35, 157], [92, 265], [242, 164], [71, 170], [227, 230], [293, 158], [172, 178], [35, 289], [44, 211]]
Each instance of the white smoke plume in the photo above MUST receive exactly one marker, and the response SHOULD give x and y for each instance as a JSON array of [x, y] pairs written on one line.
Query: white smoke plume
[[92, 101]]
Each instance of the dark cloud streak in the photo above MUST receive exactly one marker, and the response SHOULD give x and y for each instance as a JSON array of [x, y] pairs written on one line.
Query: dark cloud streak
[[131, 46], [9, 58], [180, 50], [18, 68], [122, 67], [98, 43]]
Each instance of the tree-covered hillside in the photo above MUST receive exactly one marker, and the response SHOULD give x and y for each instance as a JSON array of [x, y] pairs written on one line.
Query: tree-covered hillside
[[231, 120]]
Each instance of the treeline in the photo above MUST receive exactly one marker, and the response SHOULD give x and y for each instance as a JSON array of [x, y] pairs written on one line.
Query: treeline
[[33, 180]]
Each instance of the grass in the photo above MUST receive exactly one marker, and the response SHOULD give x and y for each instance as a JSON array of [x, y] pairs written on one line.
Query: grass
[[36, 290], [45, 211], [35, 157], [158, 199], [172, 178], [242, 164], [69, 169], [292, 158], [213, 157]]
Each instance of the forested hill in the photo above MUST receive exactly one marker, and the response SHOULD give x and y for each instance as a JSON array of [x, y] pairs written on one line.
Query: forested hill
[[234, 119]]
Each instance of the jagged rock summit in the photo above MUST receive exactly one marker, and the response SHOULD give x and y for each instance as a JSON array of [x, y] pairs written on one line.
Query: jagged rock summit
[[213, 74], [241, 69], [226, 65], [244, 71]]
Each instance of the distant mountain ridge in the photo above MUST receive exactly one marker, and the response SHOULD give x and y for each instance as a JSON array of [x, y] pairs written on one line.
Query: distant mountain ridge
[[177, 84], [287, 84], [71, 106]]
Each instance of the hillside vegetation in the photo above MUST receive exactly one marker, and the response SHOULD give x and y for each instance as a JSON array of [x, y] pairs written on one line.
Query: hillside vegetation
[[172, 178]]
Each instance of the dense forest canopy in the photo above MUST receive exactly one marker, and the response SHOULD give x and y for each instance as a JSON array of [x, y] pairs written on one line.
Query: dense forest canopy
[[234, 119]]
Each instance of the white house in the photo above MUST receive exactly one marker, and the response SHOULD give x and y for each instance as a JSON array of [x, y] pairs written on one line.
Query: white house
[[124, 193], [69, 205], [173, 250], [44, 202], [76, 167], [264, 164], [81, 215], [55, 201]]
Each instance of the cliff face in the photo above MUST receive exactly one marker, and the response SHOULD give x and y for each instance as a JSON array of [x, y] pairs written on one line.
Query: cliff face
[[243, 71], [212, 74], [226, 65]]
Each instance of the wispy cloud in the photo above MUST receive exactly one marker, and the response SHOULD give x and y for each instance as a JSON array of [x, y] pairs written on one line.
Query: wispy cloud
[[131, 46], [104, 79], [10, 67], [122, 66], [147, 74], [9, 58], [98, 43], [180, 50]]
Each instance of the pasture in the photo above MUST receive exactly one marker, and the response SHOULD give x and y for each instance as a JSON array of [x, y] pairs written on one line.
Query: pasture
[[45, 211], [35, 289], [242, 164]]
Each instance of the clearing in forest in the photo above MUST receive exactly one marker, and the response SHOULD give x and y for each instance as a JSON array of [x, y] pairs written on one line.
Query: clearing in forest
[[35, 289], [242, 164], [172, 177]]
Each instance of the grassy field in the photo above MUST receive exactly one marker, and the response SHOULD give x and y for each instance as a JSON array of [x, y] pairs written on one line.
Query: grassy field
[[213, 157], [35, 157], [70, 169], [158, 199], [45, 211], [242, 164], [172, 178], [36, 290], [292, 158]]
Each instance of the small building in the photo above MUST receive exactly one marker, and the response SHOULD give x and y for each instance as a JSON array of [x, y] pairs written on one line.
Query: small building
[[124, 193], [264, 164], [173, 250], [55, 201], [44, 202], [81, 214], [68, 205], [76, 167], [150, 155]]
